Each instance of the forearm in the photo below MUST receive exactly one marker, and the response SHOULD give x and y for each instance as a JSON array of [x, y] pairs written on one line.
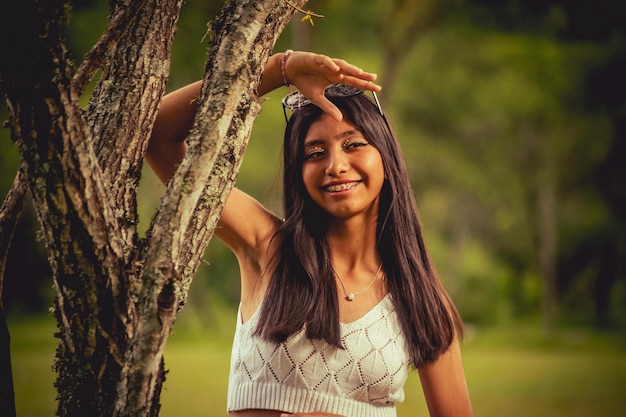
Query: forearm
[[272, 77], [166, 146]]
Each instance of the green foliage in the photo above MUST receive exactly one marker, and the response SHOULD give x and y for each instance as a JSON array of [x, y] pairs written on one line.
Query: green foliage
[[485, 118]]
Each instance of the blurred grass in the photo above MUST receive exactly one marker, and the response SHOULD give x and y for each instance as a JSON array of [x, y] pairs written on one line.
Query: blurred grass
[[513, 371]]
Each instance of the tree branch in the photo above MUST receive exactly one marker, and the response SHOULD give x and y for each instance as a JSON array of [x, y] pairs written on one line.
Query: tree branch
[[96, 55], [301, 10]]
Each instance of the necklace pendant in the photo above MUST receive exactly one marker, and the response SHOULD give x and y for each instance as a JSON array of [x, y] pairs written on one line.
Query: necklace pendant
[[350, 295]]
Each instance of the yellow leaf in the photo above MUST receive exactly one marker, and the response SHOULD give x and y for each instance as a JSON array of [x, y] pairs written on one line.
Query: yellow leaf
[[308, 17]]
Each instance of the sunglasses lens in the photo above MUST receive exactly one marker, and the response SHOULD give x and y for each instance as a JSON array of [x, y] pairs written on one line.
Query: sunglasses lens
[[342, 90], [295, 100]]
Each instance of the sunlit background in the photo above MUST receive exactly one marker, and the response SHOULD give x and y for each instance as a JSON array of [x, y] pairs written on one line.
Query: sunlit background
[[511, 115]]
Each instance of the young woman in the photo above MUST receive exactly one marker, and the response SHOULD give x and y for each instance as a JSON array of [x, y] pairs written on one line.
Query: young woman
[[339, 299]]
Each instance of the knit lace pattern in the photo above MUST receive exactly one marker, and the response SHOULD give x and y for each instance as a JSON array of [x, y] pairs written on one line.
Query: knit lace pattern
[[365, 379]]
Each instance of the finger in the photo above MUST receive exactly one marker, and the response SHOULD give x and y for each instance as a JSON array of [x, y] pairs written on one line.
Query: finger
[[352, 70], [361, 84], [342, 68], [327, 107], [327, 61]]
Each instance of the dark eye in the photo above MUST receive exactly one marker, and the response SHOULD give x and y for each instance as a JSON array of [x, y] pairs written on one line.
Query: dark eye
[[314, 153], [355, 144]]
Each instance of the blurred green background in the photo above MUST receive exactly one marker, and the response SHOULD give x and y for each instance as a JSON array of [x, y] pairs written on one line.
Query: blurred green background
[[512, 119]]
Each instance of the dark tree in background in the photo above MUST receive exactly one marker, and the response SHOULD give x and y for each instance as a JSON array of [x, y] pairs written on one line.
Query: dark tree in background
[[603, 24]]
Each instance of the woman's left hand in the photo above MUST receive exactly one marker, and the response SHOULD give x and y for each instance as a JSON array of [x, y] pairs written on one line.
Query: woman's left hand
[[311, 73]]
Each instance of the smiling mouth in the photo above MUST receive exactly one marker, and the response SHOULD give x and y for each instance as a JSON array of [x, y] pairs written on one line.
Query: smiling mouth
[[341, 187]]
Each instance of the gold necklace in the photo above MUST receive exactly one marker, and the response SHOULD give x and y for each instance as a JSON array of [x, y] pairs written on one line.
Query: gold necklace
[[350, 295]]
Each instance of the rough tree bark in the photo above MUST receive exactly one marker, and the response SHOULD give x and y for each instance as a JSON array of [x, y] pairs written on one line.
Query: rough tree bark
[[117, 296]]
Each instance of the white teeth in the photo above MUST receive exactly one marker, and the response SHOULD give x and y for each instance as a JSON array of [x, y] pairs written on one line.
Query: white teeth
[[341, 187]]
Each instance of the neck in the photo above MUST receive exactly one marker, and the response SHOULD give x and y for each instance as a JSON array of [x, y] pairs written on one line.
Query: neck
[[353, 244]]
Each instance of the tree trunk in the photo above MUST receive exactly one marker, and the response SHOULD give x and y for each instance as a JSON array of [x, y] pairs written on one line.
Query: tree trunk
[[117, 296], [542, 194], [548, 246]]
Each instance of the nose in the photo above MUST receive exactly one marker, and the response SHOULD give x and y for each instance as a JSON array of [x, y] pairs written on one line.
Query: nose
[[337, 163]]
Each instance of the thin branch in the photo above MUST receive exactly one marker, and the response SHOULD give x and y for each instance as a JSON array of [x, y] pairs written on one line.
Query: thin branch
[[306, 12]]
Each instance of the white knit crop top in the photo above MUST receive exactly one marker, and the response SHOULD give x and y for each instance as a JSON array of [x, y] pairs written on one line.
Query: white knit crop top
[[365, 379]]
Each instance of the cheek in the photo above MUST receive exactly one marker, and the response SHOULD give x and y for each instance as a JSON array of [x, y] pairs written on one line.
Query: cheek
[[374, 165], [308, 178]]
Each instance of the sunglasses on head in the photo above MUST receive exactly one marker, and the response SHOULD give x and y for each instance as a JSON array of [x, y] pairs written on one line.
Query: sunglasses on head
[[296, 101]]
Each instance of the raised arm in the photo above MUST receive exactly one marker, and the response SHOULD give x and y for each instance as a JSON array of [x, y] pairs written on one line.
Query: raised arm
[[444, 385], [174, 119]]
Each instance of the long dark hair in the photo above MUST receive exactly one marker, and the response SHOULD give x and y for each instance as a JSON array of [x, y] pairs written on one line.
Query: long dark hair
[[302, 289]]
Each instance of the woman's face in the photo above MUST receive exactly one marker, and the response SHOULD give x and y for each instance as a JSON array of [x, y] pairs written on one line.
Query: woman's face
[[341, 171]]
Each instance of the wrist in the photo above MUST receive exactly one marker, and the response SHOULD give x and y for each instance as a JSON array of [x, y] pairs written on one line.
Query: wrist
[[283, 66], [271, 78]]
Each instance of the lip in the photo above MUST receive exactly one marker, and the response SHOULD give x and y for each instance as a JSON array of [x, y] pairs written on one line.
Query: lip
[[339, 187]]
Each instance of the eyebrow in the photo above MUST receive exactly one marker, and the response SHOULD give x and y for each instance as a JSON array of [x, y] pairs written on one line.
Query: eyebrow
[[317, 142]]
